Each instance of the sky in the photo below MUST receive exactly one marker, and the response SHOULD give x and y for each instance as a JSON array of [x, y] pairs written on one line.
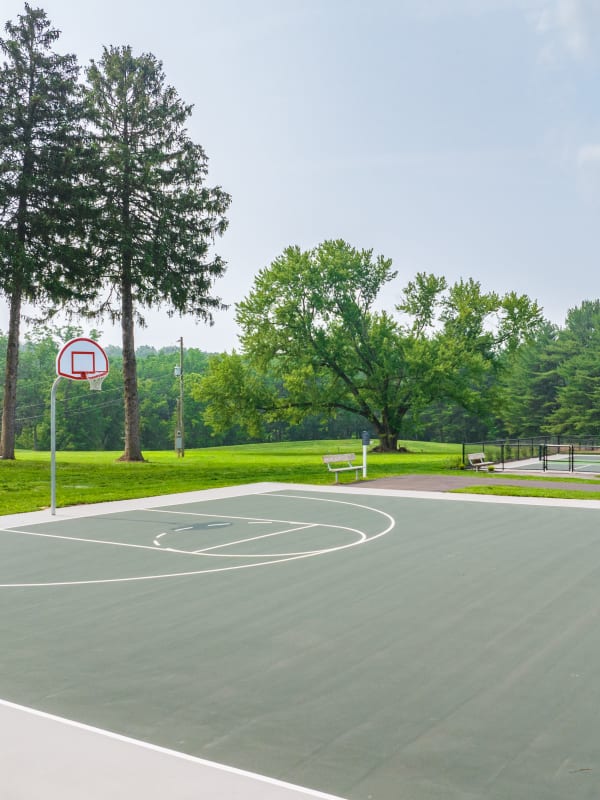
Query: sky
[[459, 137]]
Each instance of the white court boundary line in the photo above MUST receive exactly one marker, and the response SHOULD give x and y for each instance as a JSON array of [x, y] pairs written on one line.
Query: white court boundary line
[[147, 746], [247, 489], [363, 538]]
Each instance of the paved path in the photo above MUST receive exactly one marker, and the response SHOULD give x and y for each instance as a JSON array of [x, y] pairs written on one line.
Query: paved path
[[446, 483]]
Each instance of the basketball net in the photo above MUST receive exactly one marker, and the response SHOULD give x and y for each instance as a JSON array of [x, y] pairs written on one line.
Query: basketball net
[[95, 382]]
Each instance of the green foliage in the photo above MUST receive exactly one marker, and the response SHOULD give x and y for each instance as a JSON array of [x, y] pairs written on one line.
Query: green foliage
[[94, 420], [526, 391], [45, 204], [236, 395], [447, 421], [577, 351], [309, 325], [157, 215], [36, 374], [552, 384], [313, 342]]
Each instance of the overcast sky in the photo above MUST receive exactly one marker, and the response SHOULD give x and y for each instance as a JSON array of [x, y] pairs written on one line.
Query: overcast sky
[[460, 137]]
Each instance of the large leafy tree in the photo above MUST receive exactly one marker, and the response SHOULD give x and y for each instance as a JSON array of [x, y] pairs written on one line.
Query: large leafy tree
[[158, 216], [43, 202], [314, 342]]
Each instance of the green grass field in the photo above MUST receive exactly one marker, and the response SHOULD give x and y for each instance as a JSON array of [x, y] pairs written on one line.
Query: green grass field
[[533, 491], [84, 477]]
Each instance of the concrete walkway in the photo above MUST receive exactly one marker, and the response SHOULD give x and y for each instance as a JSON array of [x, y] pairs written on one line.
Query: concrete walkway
[[446, 483]]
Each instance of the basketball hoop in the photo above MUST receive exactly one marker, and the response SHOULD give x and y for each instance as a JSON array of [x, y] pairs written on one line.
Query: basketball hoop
[[83, 359], [80, 359]]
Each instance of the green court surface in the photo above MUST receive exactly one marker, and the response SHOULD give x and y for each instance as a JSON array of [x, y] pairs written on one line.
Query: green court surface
[[371, 646], [562, 466], [562, 463]]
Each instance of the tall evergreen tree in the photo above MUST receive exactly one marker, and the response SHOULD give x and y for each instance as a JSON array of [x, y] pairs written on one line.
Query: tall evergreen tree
[[158, 218], [577, 352], [42, 199], [525, 396]]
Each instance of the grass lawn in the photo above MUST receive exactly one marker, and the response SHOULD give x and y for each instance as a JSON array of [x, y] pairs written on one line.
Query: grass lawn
[[533, 491], [83, 477]]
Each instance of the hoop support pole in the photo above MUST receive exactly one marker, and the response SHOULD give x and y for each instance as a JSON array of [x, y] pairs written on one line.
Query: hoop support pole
[[53, 446]]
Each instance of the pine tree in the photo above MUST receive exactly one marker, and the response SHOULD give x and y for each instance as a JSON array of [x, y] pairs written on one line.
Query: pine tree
[[42, 198], [158, 219]]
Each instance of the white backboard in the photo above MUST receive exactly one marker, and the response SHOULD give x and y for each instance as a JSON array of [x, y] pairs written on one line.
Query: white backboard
[[81, 359]]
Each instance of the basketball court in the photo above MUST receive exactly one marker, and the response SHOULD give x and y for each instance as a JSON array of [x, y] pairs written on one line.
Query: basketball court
[[280, 641]]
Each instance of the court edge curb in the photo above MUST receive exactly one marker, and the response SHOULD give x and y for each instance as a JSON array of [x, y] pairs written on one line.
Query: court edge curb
[[111, 507], [118, 737]]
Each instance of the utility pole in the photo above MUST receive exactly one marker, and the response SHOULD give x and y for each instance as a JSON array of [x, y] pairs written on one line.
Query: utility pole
[[179, 432]]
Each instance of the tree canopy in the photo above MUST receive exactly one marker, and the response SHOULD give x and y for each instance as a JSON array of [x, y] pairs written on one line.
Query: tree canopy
[[545, 386], [309, 324]]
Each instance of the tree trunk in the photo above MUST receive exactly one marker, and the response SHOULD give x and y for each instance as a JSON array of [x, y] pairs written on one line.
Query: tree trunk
[[388, 442], [132, 410], [7, 440], [387, 426]]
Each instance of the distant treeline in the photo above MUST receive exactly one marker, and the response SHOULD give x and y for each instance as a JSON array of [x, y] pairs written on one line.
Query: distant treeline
[[549, 386], [87, 420]]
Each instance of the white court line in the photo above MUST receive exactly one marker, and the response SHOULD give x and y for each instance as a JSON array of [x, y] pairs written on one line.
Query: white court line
[[86, 510], [257, 520], [189, 574], [364, 490], [49, 740], [278, 559], [444, 497], [146, 546], [304, 492], [87, 541], [256, 538], [362, 538], [392, 521]]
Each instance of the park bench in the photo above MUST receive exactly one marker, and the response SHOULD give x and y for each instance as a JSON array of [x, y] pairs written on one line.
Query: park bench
[[477, 461], [342, 458]]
